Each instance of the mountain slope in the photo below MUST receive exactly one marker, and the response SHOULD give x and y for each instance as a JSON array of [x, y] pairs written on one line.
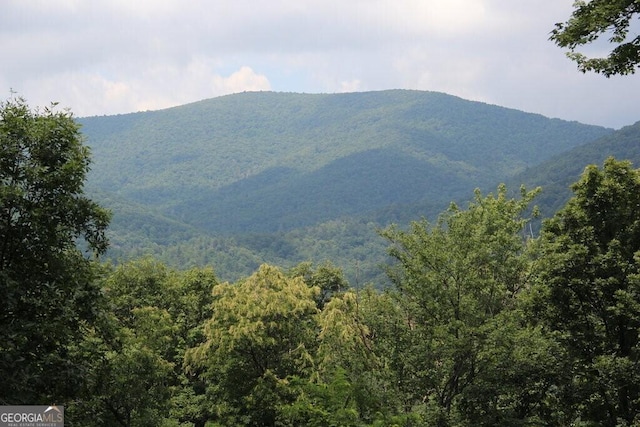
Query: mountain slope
[[355, 185], [272, 177], [556, 174], [271, 161]]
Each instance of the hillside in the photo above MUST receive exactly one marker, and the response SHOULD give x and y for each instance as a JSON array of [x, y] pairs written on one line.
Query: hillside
[[556, 174], [242, 176], [337, 154]]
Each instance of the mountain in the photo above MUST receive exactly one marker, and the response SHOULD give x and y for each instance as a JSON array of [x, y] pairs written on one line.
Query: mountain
[[247, 178], [556, 174]]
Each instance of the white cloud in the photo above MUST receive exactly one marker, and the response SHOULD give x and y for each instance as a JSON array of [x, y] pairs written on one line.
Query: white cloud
[[350, 86], [440, 17], [110, 56], [92, 93], [245, 79]]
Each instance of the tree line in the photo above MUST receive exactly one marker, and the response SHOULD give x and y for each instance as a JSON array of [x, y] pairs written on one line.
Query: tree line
[[484, 323]]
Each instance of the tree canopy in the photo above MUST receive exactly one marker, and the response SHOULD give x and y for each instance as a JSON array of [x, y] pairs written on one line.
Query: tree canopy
[[455, 280], [46, 284], [261, 333], [591, 20], [589, 293], [486, 325]]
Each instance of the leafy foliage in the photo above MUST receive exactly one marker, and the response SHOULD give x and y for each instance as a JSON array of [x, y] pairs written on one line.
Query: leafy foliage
[[594, 18], [454, 280], [261, 333], [282, 178], [589, 292], [47, 287], [137, 377]]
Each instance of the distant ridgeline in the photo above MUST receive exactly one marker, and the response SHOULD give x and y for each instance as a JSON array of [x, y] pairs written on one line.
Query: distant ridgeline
[[260, 177]]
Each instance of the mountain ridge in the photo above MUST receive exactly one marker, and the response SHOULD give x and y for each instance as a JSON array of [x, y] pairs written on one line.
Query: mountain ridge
[[216, 142], [556, 174], [266, 169]]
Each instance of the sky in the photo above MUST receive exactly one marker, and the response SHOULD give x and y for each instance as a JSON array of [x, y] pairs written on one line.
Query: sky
[[104, 57]]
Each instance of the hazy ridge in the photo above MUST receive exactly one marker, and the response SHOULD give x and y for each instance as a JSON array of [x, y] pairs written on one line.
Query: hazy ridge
[[242, 179]]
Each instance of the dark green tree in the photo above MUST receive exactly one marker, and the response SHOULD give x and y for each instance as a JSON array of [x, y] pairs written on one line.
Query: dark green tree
[[47, 289], [589, 294], [137, 378], [591, 20]]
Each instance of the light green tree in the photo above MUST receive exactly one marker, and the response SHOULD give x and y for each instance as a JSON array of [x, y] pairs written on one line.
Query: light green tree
[[364, 339], [49, 292], [261, 336]]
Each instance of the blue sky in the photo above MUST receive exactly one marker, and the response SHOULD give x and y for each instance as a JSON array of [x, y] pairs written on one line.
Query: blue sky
[[117, 56]]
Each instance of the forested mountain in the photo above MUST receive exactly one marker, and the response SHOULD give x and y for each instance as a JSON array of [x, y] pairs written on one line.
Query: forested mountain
[[238, 180], [482, 323], [557, 173]]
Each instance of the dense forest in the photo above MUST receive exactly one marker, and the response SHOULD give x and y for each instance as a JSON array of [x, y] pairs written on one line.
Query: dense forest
[[483, 320], [283, 178], [517, 307]]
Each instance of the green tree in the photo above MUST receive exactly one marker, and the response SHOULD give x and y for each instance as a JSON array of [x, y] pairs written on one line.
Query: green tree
[[129, 384], [326, 277], [137, 378], [592, 19], [321, 404], [47, 287], [518, 367], [455, 278], [363, 343], [262, 333], [589, 293]]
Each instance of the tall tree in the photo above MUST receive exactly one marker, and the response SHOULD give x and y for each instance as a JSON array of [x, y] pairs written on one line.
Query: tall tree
[[47, 287], [137, 377], [363, 341], [262, 332], [455, 278], [589, 293], [592, 19]]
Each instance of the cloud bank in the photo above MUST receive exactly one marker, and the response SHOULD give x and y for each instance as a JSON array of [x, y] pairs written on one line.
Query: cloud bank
[[118, 56]]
